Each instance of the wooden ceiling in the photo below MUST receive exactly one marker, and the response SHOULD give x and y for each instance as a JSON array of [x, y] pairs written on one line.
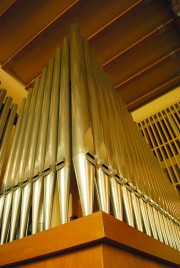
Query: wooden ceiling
[[137, 42]]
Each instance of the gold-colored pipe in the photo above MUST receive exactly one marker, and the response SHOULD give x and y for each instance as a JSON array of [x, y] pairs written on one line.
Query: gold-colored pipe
[[4, 115], [15, 213], [136, 208], [2, 96], [37, 192], [6, 216], [41, 145], [163, 197], [25, 207], [108, 136], [4, 146], [9, 172], [82, 138], [13, 151], [116, 196], [64, 154], [102, 177], [116, 136], [150, 186], [9, 126], [29, 169], [145, 217], [2, 199], [30, 159], [123, 156], [126, 195], [51, 145], [21, 165], [27, 135]]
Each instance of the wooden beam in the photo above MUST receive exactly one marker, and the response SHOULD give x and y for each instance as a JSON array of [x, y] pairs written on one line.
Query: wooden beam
[[166, 26], [151, 81], [28, 22], [148, 68], [167, 85], [5, 6]]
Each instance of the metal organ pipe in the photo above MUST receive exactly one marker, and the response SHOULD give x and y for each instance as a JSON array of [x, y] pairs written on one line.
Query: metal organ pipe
[[74, 122]]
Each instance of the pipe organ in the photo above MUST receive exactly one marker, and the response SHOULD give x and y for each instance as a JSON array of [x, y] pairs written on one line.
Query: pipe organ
[[73, 120]]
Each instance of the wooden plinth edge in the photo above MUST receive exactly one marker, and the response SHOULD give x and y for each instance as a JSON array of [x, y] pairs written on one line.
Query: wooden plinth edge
[[93, 229]]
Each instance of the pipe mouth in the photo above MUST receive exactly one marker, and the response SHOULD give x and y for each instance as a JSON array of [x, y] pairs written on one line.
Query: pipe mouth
[[85, 171]]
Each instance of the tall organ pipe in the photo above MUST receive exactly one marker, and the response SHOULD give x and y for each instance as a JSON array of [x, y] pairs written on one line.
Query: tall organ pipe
[[82, 139], [29, 170], [41, 146], [51, 145], [7, 135], [7, 180], [27, 188], [64, 134]]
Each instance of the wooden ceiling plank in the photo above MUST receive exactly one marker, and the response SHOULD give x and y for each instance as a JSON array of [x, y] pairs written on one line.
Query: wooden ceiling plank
[[129, 64], [170, 84], [26, 47], [154, 65], [27, 21], [5, 6], [167, 25], [47, 42], [132, 8], [26, 39], [128, 29], [151, 80]]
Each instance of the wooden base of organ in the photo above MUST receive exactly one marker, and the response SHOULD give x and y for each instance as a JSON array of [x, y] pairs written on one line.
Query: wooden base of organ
[[98, 240]]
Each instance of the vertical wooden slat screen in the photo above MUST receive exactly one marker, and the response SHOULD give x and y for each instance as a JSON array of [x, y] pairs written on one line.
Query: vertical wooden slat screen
[[162, 132]]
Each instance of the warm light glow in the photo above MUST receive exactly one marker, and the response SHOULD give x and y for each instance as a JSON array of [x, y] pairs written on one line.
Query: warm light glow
[[157, 105], [14, 88]]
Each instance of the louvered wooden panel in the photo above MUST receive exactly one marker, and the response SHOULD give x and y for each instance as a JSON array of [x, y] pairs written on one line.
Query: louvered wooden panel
[[162, 133]]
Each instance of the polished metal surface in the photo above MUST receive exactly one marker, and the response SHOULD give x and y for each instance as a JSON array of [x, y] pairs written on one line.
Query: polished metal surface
[[137, 211], [82, 139], [74, 122], [49, 184], [6, 216], [129, 217], [51, 142], [145, 217], [14, 147], [37, 195], [2, 96], [4, 114], [17, 194], [116, 195], [64, 144], [8, 131], [2, 199], [41, 127]]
